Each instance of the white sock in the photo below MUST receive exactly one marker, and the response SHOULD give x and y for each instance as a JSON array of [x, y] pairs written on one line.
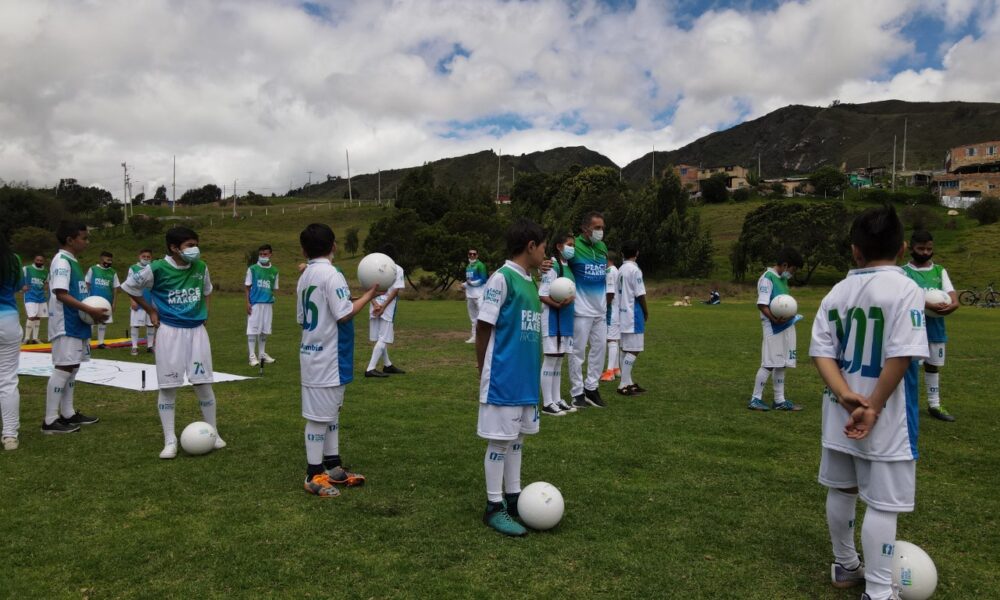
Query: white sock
[[315, 439], [165, 402], [549, 373], [376, 354], [759, 382], [331, 445], [878, 539], [66, 401], [27, 330], [385, 356], [493, 464], [778, 381], [557, 380], [840, 509], [933, 381], [135, 337], [102, 330], [252, 345], [206, 399], [628, 361], [10, 407], [53, 394], [261, 343], [613, 355], [512, 467], [150, 336]]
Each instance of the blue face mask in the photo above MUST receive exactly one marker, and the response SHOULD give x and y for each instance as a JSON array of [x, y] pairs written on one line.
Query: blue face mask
[[786, 275], [143, 262], [190, 254], [264, 261], [568, 252]]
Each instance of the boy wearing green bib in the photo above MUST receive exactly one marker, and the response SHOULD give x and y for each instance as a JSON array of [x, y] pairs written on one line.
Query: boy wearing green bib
[[102, 280]]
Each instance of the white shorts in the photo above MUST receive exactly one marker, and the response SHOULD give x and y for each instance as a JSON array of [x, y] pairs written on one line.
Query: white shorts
[[552, 344], [380, 330], [259, 321], [889, 486], [935, 354], [633, 342], [778, 349], [322, 404], [68, 351], [139, 318], [36, 310], [507, 422], [615, 330], [182, 352]]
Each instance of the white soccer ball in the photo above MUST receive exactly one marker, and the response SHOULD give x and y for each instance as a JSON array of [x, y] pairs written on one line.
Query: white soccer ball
[[562, 288], [933, 296], [198, 438], [540, 505], [784, 306], [913, 571], [377, 269], [96, 302]]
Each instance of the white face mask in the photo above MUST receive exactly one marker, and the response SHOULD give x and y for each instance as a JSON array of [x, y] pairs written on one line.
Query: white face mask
[[472, 261], [190, 254], [143, 262], [264, 261], [568, 252], [786, 275], [597, 235]]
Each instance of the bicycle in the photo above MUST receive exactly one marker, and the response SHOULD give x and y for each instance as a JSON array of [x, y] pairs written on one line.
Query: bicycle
[[971, 297]]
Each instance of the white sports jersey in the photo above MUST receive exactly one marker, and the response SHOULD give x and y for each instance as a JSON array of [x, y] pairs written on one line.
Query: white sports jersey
[[326, 353], [65, 273], [389, 314], [554, 323], [611, 287], [872, 315], [630, 287]]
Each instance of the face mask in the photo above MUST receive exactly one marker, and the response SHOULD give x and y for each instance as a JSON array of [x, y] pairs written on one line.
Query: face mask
[[919, 259], [786, 275], [597, 235], [106, 265], [39, 265], [472, 261], [190, 254], [143, 262], [568, 252], [264, 261]]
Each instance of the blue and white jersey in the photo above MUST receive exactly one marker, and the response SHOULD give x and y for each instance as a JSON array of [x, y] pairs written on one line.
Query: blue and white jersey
[[326, 350], [102, 282], [389, 314], [556, 322], [873, 315], [263, 282], [611, 287], [35, 279], [590, 269], [630, 289], [179, 290], [66, 274], [514, 353]]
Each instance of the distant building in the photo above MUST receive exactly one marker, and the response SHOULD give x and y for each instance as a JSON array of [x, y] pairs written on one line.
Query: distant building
[[973, 171], [737, 175], [688, 176], [792, 185]]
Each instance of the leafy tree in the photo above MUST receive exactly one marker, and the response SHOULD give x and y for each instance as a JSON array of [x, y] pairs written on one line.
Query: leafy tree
[[714, 190], [30, 241], [828, 181], [204, 195], [22, 207], [160, 196], [741, 195], [139, 198], [145, 226], [818, 230], [351, 241], [81, 200]]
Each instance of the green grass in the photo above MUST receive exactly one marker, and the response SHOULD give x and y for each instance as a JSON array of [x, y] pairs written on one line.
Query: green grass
[[680, 493]]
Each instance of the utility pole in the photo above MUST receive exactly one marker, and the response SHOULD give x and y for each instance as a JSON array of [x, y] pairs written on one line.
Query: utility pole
[[498, 176], [309, 181], [174, 202], [904, 144], [894, 163], [234, 198], [125, 191], [380, 187], [350, 194]]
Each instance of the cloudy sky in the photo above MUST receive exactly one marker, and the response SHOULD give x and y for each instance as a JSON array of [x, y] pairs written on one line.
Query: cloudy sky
[[263, 91]]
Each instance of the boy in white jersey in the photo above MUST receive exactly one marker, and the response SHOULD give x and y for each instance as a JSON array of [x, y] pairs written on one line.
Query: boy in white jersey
[[509, 354], [102, 280], [866, 339], [381, 325], [325, 312], [138, 317], [179, 286], [557, 328], [260, 283], [70, 336], [614, 329], [777, 351], [929, 275], [475, 279], [630, 299], [35, 280]]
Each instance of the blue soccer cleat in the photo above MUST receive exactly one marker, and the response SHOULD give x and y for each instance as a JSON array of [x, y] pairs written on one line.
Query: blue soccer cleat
[[757, 404]]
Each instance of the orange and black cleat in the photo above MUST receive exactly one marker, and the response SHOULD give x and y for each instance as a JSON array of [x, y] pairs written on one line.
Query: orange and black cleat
[[321, 485], [341, 476]]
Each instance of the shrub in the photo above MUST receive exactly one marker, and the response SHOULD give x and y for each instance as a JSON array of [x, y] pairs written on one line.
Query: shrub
[[986, 211], [144, 225], [31, 241], [741, 195], [921, 217]]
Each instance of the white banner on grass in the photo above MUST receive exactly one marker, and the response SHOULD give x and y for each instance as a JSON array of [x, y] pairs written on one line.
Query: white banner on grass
[[116, 373]]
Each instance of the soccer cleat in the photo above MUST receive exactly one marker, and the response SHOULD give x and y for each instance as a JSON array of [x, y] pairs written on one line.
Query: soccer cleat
[[497, 517], [626, 391], [618, 373], [593, 397], [253, 361], [608, 375], [842, 577], [60, 425], [10, 443], [757, 404], [375, 373], [169, 451], [150, 350], [939, 412], [786, 405], [393, 370], [510, 503], [79, 418], [579, 402], [219, 442], [552, 409], [893, 594], [471, 340], [566, 408], [341, 476], [320, 485], [134, 352], [266, 358], [638, 389], [101, 346]]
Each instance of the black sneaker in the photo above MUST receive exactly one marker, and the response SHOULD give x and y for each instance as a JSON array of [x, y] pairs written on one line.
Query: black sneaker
[[79, 418], [393, 369], [637, 389], [375, 373], [593, 397], [101, 346], [939, 412], [626, 391], [552, 410], [150, 350], [60, 425], [580, 402]]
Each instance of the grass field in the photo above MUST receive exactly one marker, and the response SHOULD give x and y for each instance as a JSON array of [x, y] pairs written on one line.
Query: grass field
[[680, 493]]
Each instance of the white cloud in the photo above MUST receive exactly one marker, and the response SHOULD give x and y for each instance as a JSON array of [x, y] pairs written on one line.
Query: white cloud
[[261, 91]]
